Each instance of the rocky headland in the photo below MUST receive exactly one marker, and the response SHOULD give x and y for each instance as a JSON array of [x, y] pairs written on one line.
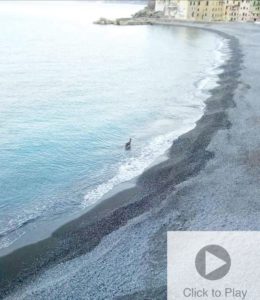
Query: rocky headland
[[146, 16]]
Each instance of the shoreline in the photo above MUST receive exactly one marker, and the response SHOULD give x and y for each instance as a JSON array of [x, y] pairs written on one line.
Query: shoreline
[[43, 231], [187, 157]]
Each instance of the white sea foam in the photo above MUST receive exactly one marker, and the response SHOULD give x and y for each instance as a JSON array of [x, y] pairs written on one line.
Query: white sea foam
[[14, 229], [134, 166], [19, 215]]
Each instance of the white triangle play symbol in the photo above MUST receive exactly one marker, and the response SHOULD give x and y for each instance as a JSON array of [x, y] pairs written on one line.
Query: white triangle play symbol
[[213, 263]]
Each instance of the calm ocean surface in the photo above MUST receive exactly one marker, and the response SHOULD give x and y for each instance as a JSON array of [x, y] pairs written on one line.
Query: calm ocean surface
[[72, 93]]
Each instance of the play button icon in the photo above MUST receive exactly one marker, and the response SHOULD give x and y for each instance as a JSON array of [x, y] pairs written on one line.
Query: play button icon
[[213, 262]]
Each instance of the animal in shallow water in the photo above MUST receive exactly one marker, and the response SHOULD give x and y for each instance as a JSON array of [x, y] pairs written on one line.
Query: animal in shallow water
[[128, 145]]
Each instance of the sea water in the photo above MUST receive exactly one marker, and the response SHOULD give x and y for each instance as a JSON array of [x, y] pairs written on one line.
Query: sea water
[[72, 94]]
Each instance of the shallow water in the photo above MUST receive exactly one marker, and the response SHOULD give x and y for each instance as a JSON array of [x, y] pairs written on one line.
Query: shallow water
[[72, 93]]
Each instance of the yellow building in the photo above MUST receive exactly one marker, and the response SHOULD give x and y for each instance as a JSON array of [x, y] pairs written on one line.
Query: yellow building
[[231, 10], [237, 10], [196, 10], [244, 11], [211, 10], [206, 10]]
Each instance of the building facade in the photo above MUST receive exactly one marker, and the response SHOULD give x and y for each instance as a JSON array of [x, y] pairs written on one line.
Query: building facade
[[255, 9], [211, 10], [169, 7], [206, 10], [231, 10], [160, 5]]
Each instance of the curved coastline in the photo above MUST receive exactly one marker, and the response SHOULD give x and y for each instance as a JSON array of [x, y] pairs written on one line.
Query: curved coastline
[[187, 157]]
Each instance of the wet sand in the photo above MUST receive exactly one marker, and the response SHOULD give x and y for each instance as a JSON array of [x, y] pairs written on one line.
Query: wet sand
[[210, 182]]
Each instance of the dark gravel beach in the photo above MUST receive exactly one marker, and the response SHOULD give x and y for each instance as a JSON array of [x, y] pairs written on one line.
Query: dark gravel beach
[[117, 250]]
